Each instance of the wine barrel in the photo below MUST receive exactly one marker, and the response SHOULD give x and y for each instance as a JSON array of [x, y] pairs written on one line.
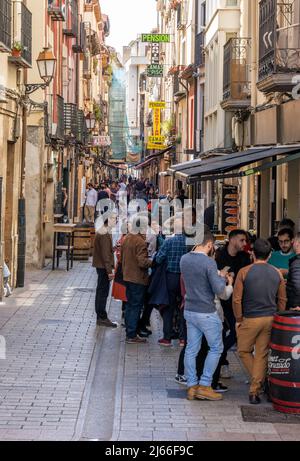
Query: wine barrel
[[284, 363], [82, 242], [92, 235]]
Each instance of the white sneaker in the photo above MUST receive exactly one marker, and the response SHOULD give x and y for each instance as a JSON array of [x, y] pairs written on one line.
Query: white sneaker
[[225, 372]]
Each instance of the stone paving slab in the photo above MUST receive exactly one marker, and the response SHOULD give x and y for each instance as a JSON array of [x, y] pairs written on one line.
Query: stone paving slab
[[154, 405], [52, 375], [50, 333]]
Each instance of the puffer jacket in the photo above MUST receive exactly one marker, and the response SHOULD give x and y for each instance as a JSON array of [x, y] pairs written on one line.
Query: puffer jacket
[[293, 283]]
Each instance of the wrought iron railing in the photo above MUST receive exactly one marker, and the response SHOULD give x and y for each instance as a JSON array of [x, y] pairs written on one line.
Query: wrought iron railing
[[71, 29], [82, 133], [57, 9], [60, 132], [22, 34], [199, 50], [279, 37], [5, 25], [71, 120], [236, 77], [82, 39]]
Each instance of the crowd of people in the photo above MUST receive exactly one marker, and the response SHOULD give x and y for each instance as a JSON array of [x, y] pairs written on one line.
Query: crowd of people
[[209, 298], [132, 188]]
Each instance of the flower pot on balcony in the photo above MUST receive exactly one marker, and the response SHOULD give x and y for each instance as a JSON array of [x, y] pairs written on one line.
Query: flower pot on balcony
[[16, 53]]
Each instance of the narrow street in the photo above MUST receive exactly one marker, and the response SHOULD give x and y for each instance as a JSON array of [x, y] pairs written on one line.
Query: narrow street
[[66, 379]]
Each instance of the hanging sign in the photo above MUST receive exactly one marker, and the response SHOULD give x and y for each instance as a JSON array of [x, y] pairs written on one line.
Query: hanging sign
[[155, 53], [156, 122], [156, 146], [156, 38], [155, 70], [156, 139], [157, 105]]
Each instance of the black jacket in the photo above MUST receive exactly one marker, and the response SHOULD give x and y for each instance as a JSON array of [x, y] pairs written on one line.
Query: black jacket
[[293, 283]]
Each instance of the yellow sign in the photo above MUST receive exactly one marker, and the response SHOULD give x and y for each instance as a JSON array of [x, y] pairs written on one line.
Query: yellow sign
[[156, 139], [157, 105], [156, 146], [156, 122]]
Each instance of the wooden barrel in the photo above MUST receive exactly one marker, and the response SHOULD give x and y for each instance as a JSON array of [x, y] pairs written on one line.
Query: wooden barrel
[[82, 242], [284, 363], [92, 235]]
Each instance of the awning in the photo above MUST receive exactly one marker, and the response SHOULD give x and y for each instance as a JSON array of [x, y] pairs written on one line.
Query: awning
[[152, 157], [212, 154], [228, 166]]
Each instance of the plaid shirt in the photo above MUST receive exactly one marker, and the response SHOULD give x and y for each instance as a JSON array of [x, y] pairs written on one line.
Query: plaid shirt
[[172, 251]]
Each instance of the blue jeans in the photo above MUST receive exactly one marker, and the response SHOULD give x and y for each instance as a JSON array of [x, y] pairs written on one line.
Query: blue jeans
[[135, 294], [211, 327]]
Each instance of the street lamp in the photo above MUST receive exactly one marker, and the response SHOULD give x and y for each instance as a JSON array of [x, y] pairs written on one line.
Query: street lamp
[[90, 121], [46, 62]]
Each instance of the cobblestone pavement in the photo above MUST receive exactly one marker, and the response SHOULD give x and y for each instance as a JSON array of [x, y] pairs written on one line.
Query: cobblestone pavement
[[65, 379]]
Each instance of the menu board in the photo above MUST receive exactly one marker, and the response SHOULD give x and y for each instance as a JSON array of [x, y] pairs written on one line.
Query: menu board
[[230, 208]]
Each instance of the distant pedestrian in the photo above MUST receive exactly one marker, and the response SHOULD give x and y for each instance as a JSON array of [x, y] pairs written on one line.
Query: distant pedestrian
[[103, 261], [258, 291], [90, 204]]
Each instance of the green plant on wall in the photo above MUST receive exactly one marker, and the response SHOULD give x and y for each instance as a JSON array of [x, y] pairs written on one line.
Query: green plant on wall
[[168, 127], [17, 46], [95, 65], [97, 112]]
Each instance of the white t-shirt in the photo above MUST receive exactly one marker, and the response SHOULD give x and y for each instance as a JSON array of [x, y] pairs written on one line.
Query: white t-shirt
[[91, 197]]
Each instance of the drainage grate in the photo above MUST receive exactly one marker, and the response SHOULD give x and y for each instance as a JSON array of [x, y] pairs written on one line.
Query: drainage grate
[[176, 393], [267, 415]]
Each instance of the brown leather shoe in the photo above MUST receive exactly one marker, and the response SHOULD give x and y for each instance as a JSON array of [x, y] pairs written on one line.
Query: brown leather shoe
[[207, 393], [191, 392], [106, 323]]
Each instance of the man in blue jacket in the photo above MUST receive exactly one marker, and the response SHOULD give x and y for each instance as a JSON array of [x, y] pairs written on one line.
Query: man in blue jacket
[[202, 284]]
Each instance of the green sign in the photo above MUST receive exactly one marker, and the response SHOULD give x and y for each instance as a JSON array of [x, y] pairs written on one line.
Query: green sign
[[156, 38], [155, 70]]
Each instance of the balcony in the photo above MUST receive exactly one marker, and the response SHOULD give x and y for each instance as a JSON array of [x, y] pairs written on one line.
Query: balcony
[[236, 78], [57, 9], [181, 15], [22, 34], [178, 89], [70, 121], [5, 25], [199, 50], [82, 40], [88, 6], [71, 29], [82, 132], [279, 45], [87, 73]]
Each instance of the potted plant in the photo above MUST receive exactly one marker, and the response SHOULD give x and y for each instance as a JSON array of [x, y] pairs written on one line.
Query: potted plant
[[16, 49]]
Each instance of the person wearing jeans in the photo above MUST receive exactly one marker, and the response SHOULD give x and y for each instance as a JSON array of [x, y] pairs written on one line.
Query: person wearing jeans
[[135, 265], [202, 283], [135, 293], [103, 261], [199, 325], [171, 252]]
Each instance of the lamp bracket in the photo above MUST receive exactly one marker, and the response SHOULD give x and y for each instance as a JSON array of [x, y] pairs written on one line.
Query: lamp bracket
[[31, 87]]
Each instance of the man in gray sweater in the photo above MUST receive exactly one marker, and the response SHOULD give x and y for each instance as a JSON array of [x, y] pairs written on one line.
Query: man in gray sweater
[[202, 284]]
